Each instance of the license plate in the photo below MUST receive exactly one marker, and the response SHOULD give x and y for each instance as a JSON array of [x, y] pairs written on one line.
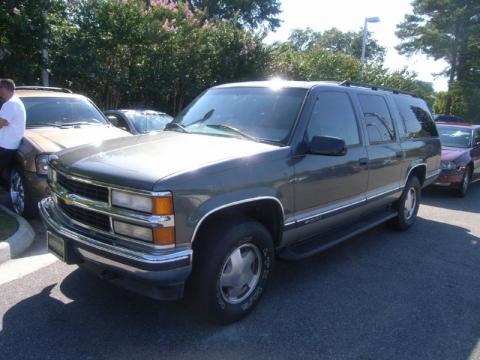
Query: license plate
[[56, 246]]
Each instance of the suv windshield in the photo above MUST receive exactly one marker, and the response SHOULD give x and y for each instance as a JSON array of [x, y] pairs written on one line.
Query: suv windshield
[[60, 111], [455, 136], [146, 121], [262, 114]]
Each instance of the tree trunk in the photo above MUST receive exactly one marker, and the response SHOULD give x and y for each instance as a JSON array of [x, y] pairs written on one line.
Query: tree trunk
[[453, 71]]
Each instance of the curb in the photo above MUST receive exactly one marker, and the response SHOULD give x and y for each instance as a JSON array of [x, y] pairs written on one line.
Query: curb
[[18, 242]]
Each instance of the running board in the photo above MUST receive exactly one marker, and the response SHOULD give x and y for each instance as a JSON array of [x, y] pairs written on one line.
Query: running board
[[316, 245]]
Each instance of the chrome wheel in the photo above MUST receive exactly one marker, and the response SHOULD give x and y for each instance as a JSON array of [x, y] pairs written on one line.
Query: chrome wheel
[[17, 192], [410, 203], [240, 273]]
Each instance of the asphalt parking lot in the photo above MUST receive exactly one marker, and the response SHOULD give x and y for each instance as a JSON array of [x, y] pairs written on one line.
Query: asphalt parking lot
[[381, 295]]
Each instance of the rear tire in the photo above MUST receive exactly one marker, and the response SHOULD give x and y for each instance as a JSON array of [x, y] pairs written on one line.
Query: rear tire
[[233, 261], [407, 206]]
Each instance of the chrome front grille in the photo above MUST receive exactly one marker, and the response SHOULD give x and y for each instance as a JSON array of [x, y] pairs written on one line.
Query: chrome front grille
[[89, 191], [84, 216], [87, 205]]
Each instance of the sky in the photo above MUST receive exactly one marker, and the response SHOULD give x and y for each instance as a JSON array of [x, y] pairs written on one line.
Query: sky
[[348, 15]]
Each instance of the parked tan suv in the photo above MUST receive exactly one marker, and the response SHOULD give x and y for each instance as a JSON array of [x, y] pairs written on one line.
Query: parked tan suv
[[56, 119]]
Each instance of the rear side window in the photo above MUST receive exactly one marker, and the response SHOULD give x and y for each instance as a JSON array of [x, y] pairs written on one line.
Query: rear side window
[[378, 120], [416, 117], [333, 116]]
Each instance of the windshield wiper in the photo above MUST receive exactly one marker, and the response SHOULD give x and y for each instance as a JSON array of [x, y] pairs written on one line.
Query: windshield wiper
[[43, 124], [234, 130], [205, 117], [169, 126], [79, 123]]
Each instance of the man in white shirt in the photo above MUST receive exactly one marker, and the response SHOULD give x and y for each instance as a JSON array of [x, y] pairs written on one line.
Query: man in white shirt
[[12, 123]]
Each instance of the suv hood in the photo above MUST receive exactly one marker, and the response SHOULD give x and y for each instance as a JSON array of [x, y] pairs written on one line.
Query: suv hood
[[52, 139], [140, 161]]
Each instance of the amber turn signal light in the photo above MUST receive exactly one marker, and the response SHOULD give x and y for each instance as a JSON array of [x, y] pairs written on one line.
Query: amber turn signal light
[[162, 205], [164, 236]]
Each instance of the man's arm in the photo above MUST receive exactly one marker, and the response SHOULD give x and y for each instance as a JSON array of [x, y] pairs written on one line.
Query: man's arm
[[3, 122], [6, 114]]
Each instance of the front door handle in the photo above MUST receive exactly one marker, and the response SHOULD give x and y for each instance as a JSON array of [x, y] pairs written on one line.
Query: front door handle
[[363, 161]]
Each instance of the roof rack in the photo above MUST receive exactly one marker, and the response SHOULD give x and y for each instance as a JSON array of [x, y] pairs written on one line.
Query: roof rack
[[376, 87], [46, 88]]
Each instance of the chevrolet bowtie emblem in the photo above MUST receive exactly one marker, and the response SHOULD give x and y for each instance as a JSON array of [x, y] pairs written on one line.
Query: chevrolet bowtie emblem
[[68, 200]]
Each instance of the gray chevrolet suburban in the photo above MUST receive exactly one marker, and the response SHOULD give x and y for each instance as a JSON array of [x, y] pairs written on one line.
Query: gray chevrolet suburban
[[247, 173]]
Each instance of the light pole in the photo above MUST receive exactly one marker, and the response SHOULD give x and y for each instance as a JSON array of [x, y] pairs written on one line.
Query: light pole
[[374, 19]]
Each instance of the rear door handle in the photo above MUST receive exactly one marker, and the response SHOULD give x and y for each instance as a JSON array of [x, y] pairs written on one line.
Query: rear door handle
[[399, 154], [363, 161]]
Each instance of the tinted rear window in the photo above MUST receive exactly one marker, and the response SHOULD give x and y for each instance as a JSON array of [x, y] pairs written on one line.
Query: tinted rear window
[[377, 118], [416, 117]]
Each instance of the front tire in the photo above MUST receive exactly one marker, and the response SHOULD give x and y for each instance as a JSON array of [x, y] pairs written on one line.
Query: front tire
[[463, 187], [233, 261], [407, 206], [20, 197]]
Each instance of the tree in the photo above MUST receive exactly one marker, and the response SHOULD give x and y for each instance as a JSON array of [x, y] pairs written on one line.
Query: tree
[[121, 54], [23, 24], [336, 41], [318, 63], [249, 13], [444, 30]]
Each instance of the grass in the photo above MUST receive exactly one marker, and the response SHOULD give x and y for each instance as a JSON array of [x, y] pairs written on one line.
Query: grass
[[8, 226]]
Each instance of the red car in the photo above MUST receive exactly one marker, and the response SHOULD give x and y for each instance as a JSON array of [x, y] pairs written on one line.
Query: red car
[[460, 156]]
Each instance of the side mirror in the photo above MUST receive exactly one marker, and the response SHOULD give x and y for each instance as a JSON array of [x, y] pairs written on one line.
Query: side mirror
[[113, 120], [327, 145]]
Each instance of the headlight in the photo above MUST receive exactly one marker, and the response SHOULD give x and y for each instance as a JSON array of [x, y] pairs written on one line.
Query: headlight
[[158, 205], [41, 163], [448, 165]]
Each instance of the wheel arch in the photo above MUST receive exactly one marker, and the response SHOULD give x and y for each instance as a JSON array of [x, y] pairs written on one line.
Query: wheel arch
[[418, 170], [267, 210]]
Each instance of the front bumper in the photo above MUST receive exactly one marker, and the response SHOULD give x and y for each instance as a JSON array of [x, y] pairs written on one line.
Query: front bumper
[[160, 274], [449, 178]]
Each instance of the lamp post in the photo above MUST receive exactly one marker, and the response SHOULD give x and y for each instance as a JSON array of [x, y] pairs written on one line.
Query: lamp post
[[374, 19]]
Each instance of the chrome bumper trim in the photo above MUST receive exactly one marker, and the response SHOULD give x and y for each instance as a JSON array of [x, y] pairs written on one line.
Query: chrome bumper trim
[[45, 207]]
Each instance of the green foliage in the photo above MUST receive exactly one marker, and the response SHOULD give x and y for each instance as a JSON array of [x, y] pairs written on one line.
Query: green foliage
[[23, 24], [319, 63], [336, 41], [160, 54], [8, 225], [250, 13], [463, 99], [449, 30]]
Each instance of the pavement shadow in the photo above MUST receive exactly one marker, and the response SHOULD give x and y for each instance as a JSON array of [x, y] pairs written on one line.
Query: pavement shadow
[[443, 198], [383, 294]]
